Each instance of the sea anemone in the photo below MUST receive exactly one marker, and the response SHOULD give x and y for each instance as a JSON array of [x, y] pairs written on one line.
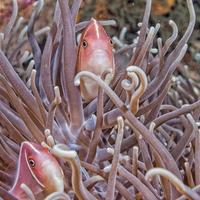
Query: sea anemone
[[144, 123]]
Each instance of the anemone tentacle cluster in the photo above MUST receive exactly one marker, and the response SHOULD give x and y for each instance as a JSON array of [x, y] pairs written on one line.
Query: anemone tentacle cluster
[[141, 125]]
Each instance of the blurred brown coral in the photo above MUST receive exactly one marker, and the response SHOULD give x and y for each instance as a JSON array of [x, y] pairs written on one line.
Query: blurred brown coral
[[161, 8], [101, 10]]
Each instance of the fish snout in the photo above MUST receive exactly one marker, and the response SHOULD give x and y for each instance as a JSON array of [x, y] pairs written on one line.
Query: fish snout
[[100, 61]]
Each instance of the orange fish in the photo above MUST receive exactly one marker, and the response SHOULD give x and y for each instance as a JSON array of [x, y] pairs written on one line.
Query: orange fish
[[162, 7], [94, 55], [39, 170]]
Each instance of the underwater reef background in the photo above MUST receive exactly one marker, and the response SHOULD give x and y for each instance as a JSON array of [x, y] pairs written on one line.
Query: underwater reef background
[[98, 100]]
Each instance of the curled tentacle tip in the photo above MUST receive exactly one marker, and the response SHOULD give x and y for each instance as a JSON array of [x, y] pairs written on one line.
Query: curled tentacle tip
[[110, 150], [130, 85], [107, 71], [33, 73], [2, 35], [47, 28], [30, 68], [185, 48], [136, 149], [157, 27], [57, 90], [74, 147], [120, 122], [49, 138], [35, 3], [50, 141], [159, 40], [154, 50], [62, 151], [125, 83], [24, 57], [107, 169], [21, 19], [163, 172], [134, 69], [171, 22], [57, 94], [47, 132], [32, 62], [90, 124], [77, 80], [22, 185], [109, 76], [120, 119], [39, 5], [140, 137], [45, 145], [152, 127], [185, 105], [125, 158], [151, 173], [131, 68], [28, 191]]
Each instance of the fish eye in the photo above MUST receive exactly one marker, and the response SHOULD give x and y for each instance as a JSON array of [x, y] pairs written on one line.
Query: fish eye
[[84, 44], [111, 42], [31, 162]]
